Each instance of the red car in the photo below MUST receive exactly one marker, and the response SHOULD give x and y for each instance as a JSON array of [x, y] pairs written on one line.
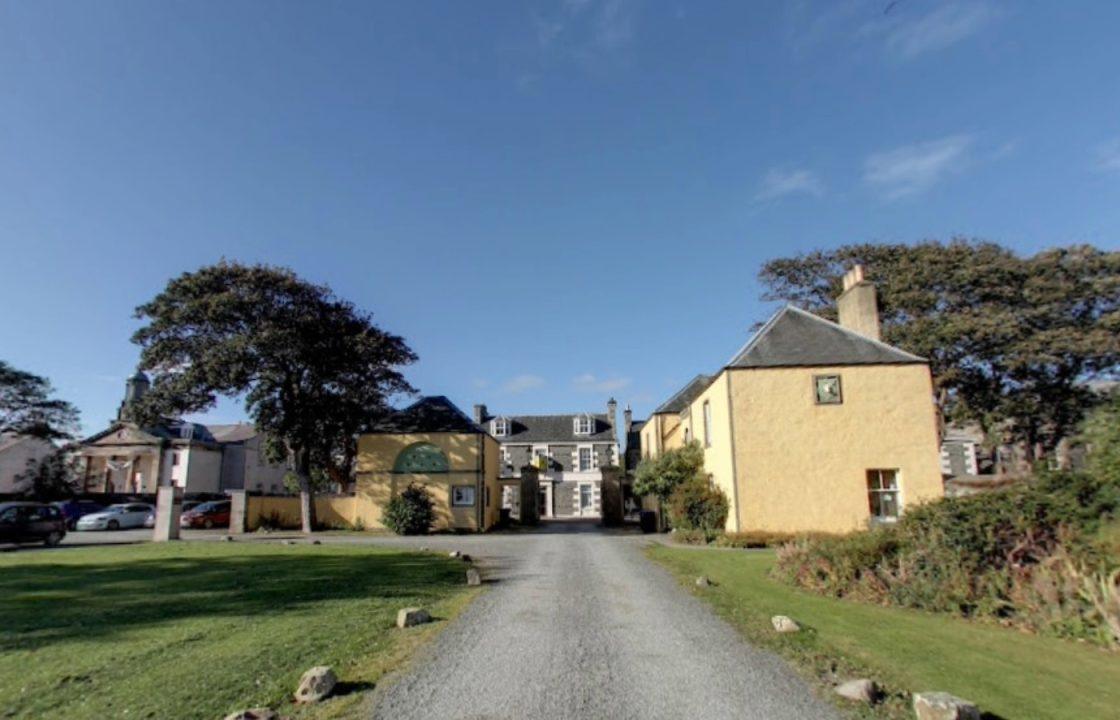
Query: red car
[[207, 515]]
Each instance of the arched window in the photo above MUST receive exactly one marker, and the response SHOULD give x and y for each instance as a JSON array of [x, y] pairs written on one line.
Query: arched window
[[421, 458]]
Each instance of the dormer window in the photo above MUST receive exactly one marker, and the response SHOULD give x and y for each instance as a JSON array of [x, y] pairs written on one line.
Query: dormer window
[[583, 424], [499, 427]]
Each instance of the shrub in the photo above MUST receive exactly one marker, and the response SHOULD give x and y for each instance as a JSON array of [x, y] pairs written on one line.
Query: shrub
[[752, 539], [410, 513], [696, 505], [1025, 555]]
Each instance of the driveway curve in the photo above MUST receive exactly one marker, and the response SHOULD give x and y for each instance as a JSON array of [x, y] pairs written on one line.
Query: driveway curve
[[579, 624]]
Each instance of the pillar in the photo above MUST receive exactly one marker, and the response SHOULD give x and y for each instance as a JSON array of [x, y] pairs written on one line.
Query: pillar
[[238, 511], [169, 501]]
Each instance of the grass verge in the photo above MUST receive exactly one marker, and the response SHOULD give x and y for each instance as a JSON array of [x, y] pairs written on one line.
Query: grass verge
[[198, 630], [1009, 674]]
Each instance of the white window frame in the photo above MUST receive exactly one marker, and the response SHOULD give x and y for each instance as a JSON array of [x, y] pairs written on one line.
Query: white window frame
[[707, 424], [466, 489], [580, 422], [896, 490], [499, 427], [590, 458]]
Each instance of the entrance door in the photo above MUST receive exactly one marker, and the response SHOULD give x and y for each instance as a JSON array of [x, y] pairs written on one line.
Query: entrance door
[[542, 503], [585, 499]]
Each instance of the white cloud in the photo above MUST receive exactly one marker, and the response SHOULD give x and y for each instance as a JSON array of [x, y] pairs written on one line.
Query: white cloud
[[522, 383], [587, 30], [480, 383], [1108, 155], [778, 183], [912, 169], [946, 25], [590, 383]]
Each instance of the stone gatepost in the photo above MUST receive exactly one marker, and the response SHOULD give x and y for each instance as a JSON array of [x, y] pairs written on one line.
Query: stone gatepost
[[238, 511], [530, 495], [169, 501], [610, 497]]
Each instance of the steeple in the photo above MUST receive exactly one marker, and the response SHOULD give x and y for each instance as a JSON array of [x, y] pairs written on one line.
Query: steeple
[[134, 389]]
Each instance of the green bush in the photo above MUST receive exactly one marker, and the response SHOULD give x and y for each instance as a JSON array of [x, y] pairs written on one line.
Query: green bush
[[410, 513], [696, 505], [1022, 555]]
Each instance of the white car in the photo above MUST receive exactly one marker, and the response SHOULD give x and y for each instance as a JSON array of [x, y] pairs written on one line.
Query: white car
[[116, 517]]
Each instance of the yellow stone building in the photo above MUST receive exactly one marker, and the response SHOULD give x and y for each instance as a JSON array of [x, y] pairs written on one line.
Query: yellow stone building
[[434, 444], [812, 425]]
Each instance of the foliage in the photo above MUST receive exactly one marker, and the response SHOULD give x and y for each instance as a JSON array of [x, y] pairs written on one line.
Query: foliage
[[696, 505], [1012, 341], [312, 368], [27, 408], [1009, 674], [410, 512], [247, 619], [660, 476], [755, 539], [54, 477], [1101, 433], [1020, 555]]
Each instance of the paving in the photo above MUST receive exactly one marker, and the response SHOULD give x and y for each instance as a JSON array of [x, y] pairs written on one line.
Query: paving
[[577, 623]]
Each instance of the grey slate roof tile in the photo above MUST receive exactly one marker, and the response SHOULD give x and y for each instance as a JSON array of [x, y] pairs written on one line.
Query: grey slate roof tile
[[684, 397], [434, 413], [795, 338], [553, 429]]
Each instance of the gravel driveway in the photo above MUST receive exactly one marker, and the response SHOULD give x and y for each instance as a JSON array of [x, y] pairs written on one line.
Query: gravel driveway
[[578, 624]]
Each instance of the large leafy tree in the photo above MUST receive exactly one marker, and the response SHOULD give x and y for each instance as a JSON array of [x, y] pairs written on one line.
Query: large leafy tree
[[27, 406], [662, 475], [312, 368], [1012, 341]]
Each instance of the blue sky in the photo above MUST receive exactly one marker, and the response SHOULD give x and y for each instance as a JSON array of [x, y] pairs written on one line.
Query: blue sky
[[553, 202]]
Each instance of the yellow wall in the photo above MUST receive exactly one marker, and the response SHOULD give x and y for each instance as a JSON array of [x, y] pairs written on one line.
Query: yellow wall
[[467, 454], [801, 466], [661, 433], [717, 455]]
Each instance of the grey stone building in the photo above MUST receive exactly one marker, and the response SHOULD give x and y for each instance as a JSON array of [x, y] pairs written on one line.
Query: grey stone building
[[569, 451]]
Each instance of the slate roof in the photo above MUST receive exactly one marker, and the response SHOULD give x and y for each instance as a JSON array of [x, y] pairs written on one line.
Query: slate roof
[[553, 429], [434, 413], [684, 397], [169, 429], [795, 338], [237, 432]]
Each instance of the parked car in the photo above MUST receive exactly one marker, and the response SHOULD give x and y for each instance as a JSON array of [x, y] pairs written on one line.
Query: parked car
[[207, 515], [150, 521], [117, 517], [73, 510], [31, 522]]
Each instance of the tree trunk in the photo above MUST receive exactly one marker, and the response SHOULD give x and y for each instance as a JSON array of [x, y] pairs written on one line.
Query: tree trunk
[[306, 491]]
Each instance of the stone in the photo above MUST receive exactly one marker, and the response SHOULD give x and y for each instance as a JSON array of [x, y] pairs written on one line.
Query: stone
[[703, 581], [287, 542], [424, 549], [943, 706], [784, 624], [229, 538], [316, 542], [862, 690], [407, 617], [261, 713], [474, 577], [316, 684], [465, 558], [454, 554]]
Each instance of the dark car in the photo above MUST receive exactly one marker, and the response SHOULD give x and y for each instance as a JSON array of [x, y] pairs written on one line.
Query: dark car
[[207, 515], [22, 522], [74, 509]]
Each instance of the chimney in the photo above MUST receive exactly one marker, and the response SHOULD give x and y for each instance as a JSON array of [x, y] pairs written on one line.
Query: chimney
[[612, 406], [627, 420], [859, 310], [480, 414]]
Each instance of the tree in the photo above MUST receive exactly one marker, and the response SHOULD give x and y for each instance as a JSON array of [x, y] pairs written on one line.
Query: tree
[[1101, 434], [661, 475], [696, 505], [27, 408], [411, 512], [311, 367], [54, 477], [1012, 341]]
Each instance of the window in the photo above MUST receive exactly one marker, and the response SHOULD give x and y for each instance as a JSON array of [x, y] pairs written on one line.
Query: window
[[687, 435], [707, 424], [541, 457], [421, 458], [462, 495], [584, 424], [584, 459], [486, 494], [882, 493], [827, 388], [174, 458], [499, 427]]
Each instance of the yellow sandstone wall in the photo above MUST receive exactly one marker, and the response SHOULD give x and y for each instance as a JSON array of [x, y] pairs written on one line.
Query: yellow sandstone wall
[[801, 466], [718, 460]]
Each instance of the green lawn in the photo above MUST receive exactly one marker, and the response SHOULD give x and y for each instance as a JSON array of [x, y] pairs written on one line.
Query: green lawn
[[197, 630], [1009, 674]]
